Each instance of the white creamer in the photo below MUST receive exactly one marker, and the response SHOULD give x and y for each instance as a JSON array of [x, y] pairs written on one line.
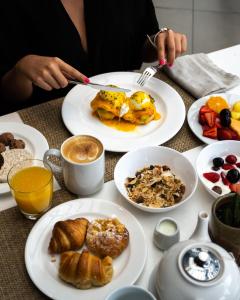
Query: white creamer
[[167, 227]]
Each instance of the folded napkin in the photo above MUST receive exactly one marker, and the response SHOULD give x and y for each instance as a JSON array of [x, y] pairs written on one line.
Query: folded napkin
[[200, 76]]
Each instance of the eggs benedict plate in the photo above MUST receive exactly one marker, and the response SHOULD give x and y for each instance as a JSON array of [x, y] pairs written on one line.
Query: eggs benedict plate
[[148, 115], [139, 108]]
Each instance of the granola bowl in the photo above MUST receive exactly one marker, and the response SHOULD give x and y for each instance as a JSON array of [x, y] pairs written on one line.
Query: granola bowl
[[155, 179]]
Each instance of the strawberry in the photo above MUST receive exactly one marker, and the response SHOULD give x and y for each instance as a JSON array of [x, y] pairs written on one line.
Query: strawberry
[[205, 109], [224, 134], [227, 167], [210, 132], [210, 118], [212, 176], [224, 179], [201, 119], [218, 123], [234, 135]]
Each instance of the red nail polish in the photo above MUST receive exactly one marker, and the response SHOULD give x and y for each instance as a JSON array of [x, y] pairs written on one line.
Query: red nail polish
[[86, 80], [162, 62], [170, 65]]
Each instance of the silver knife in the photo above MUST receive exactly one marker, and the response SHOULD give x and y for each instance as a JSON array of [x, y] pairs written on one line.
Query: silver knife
[[100, 86]]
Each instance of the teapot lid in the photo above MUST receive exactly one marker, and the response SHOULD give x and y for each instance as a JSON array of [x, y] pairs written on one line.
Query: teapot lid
[[201, 264]]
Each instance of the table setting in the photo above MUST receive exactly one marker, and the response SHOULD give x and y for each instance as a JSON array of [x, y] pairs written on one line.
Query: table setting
[[129, 211]]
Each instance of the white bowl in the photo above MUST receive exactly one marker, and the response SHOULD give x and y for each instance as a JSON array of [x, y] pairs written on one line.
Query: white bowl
[[131, 292], [135, 160], [205, 157]]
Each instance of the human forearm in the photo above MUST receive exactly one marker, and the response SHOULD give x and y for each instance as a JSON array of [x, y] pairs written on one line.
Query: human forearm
[[45, 72], [14, 85], [165, 46], [149, 52]]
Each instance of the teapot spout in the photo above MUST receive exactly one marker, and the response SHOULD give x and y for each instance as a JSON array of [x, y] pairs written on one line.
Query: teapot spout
[[201, 231]]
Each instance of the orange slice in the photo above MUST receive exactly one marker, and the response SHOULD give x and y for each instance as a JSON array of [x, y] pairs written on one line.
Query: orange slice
[[217, 103]]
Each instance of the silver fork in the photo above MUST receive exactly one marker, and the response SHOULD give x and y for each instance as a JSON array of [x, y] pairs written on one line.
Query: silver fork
[[147, 74]]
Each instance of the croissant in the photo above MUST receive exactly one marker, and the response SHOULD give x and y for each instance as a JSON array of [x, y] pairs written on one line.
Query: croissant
[[68, 235], [85, 270]]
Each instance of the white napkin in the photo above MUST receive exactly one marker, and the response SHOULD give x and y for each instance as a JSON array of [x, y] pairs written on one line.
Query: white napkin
[[198, 75]]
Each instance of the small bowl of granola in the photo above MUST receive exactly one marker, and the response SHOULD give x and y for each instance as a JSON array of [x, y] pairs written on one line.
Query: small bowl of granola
[[155, 179]]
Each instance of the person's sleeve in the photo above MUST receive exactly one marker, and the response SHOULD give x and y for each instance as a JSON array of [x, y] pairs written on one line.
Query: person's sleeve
[[151, 24], [11, 36]]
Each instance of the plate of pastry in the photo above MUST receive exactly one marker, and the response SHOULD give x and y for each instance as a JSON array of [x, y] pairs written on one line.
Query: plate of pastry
[[84, 249], [145, 116], [18, 142]]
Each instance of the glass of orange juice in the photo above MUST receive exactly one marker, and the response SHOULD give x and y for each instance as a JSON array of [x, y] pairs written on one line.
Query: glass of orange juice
[[31, 184]]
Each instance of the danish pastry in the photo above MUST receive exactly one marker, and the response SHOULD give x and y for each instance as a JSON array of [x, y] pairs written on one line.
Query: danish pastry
[[107, 237]]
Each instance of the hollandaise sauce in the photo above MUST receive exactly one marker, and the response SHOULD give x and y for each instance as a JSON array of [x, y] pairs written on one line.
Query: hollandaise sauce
[[120, 125]]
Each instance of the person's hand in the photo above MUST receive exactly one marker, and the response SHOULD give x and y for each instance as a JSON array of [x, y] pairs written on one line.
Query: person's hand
[[48, 72], [170, 45]]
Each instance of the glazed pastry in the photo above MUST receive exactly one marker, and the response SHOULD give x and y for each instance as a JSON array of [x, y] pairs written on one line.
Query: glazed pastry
[[85, 270], [107, 237], [68, 235]]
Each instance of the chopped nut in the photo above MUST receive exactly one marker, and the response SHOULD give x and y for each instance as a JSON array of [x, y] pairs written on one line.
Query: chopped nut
[[2, 147], [16, 144], [140, 199], [1, 161], [6, 137]]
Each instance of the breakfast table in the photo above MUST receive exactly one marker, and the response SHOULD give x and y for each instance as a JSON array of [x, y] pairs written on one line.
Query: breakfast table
[[15, 282]]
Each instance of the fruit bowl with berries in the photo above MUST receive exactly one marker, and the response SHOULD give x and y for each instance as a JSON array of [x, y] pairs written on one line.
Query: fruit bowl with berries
[[215, 118], [218, 167]]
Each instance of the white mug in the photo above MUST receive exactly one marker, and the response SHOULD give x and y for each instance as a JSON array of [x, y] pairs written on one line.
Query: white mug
[[81, 178]]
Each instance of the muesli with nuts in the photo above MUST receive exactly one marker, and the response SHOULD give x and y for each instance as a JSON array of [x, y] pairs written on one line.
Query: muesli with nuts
[[155, 186]]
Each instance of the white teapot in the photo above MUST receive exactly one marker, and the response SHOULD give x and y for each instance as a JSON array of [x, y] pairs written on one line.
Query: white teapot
[[197, 269]]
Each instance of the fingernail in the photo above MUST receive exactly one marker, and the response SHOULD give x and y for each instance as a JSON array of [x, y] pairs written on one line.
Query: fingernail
[[162, 62], [86, 80], [170, 65]]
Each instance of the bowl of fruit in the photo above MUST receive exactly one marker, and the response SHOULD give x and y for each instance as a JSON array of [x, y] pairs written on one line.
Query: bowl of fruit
[[215, 118], [218, 167]]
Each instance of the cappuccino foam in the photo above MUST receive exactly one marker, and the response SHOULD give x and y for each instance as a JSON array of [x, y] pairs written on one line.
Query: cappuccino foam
[[82, 149]]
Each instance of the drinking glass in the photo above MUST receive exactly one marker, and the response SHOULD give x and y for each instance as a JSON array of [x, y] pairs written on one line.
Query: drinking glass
[[31, 184]]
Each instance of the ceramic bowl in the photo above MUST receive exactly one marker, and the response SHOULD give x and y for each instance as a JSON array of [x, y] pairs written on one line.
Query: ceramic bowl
[[135, 160], [130, 292], [204, 162], [226, 236]]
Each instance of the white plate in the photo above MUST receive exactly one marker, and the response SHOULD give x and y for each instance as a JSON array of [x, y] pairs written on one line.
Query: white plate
[[44, 273], [78, 118], [35, 142], [193, 111]]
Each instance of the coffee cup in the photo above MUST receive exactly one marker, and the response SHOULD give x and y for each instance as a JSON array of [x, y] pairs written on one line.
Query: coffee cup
[[82, 164], [221, 232], [132, 292]]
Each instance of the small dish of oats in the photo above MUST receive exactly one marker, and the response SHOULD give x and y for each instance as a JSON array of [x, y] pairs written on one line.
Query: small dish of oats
[[155, 178]]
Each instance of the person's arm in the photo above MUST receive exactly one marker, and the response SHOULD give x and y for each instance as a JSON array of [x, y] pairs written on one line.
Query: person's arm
[[46, 72], [169, 45]]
